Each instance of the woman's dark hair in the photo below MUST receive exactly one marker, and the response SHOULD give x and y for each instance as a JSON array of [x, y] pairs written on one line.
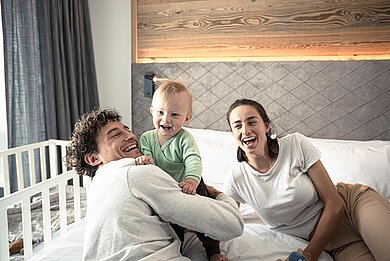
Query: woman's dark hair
[[273, 146], [83, 140]]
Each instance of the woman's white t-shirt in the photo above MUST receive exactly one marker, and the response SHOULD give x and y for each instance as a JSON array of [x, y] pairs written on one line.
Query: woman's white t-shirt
[[284, 197]]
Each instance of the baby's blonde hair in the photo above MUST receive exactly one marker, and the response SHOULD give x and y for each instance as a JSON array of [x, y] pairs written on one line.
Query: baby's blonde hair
[[168, 88]]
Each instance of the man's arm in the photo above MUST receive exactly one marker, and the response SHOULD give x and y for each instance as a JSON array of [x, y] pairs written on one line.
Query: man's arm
[[219, 219]]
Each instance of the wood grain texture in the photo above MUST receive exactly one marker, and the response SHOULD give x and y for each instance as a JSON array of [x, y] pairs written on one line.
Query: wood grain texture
[[234, 30]]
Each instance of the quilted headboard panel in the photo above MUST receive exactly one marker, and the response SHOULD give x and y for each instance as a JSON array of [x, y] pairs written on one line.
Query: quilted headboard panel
[[324, 99]]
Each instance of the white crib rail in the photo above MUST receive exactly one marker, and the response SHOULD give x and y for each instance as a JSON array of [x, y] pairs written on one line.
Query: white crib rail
[[23, 197], [56, 150], [52, 175]]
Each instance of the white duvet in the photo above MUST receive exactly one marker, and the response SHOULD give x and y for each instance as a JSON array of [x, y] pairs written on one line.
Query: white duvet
[[256, 243]]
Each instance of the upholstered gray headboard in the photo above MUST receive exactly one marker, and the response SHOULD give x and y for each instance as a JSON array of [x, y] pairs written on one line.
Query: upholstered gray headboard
[[326, 99]]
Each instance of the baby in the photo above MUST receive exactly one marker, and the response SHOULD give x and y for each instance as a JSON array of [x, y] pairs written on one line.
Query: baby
[[174, 149]]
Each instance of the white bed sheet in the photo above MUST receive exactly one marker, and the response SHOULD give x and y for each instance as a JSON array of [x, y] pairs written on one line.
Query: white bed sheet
[[66, 248], [256, 243], [259, 243]]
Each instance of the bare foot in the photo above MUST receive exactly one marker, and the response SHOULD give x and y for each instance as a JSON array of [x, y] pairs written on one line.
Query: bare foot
[[219, 257]]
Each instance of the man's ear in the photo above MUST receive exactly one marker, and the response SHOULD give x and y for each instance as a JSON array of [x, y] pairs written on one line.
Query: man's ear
[[92, 159], [151, 110]]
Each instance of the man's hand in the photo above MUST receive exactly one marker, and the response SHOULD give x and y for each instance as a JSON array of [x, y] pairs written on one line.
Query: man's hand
[[189, 186], [144, 160]]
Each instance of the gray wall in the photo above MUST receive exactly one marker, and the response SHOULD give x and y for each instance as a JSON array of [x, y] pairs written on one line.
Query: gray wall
[[326, 99]]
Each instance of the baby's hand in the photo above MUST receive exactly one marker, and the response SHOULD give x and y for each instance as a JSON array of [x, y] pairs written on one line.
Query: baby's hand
[[189, 186], [143, 160]]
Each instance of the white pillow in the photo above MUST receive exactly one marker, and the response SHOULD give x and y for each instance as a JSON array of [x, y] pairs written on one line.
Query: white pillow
[[218, 152], [366, 162]]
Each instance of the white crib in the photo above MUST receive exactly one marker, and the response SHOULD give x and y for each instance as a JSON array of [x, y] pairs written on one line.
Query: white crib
[[41, 165]]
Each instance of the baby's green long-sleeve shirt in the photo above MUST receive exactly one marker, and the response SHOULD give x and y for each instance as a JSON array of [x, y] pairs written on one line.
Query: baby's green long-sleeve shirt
[[179, 156]]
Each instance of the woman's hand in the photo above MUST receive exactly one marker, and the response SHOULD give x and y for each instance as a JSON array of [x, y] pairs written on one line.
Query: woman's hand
[[308, 256], [299, 255]]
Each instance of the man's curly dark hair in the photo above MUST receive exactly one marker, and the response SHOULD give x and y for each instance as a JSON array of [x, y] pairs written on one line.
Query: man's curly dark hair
[[83, 140]]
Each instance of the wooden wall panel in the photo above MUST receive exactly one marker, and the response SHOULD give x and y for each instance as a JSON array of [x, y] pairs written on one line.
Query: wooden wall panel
[[234, 30]]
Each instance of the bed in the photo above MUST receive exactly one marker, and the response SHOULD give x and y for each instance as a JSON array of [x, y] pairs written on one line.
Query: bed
[[366, 162]]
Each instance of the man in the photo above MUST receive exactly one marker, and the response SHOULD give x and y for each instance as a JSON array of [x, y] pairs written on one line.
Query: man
[[130, 206]]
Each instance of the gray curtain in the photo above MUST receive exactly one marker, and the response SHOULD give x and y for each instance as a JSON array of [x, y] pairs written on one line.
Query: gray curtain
[[49, 68]]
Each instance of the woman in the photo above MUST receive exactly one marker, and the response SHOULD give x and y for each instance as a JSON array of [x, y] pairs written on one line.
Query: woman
[[286, 183]]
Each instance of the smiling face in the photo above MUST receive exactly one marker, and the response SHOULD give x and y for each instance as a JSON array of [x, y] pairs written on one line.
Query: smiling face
[[249, 130], [114, 141], [170, 114]]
